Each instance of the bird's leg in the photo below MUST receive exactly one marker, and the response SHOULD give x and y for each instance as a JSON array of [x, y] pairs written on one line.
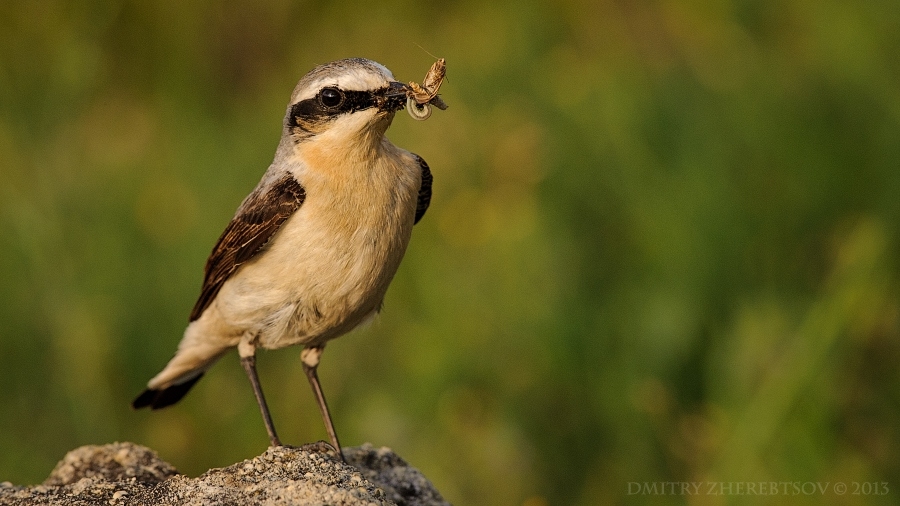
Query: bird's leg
[[249, 363], [310, 358]]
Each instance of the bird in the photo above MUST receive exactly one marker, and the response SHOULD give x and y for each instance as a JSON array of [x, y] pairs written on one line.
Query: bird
[[310, 252]]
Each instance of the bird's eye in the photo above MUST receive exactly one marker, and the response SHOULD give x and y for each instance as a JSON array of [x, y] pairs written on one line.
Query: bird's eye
[[331, 97]]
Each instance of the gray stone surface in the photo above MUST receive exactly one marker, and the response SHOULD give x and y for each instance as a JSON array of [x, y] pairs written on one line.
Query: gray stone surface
[[129, 474]]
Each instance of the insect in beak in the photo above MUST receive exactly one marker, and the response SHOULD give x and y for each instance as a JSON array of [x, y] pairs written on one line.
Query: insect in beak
[[419, 99], [418, 112]]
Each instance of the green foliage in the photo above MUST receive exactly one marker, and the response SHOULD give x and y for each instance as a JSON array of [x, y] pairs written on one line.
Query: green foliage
[[663, 244]]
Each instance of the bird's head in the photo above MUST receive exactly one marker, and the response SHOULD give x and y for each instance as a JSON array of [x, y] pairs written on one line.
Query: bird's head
[[345, 100]]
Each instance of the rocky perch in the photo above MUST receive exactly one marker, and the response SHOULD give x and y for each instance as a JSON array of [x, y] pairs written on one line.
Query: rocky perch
[[129, 474]]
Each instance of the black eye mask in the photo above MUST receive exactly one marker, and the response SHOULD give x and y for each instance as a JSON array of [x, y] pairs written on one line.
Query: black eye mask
[[311, 111]]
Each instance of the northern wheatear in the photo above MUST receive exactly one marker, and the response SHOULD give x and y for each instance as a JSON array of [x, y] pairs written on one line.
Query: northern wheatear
[[310, 252]]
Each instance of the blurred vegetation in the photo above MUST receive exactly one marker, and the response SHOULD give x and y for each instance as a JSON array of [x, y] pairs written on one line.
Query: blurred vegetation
[[663, 243]]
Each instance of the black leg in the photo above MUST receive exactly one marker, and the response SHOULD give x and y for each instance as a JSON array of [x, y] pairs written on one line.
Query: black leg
[[310, 358], [249, 364]]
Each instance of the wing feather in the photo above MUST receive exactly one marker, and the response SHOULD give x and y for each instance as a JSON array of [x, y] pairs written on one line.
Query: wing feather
[[261, 215], [424, 191]]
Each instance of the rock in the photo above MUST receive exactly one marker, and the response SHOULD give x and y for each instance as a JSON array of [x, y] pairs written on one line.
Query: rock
[[113, 462], [129, 474]]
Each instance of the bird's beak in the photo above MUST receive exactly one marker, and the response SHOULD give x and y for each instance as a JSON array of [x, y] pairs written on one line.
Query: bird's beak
[[392, 97]]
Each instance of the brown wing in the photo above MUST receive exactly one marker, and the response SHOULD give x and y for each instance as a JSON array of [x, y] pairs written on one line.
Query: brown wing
[[261, 215], [424, 190]]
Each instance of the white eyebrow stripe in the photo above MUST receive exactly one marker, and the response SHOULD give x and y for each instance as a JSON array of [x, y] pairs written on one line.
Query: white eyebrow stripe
[[369, 76]]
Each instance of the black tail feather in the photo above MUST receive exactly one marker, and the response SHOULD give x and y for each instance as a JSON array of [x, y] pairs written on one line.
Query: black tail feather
[[164, 397]]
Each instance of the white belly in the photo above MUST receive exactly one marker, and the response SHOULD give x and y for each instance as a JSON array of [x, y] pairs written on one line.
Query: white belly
[[327, 269]]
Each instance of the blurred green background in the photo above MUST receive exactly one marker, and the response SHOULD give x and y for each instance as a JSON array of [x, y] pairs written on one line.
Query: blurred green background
[[663, 244]]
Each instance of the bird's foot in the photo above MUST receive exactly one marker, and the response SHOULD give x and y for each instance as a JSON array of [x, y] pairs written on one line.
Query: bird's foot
[[321, 447]]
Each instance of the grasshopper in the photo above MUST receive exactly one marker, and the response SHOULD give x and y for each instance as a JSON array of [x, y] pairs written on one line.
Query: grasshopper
[[419, 98]]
